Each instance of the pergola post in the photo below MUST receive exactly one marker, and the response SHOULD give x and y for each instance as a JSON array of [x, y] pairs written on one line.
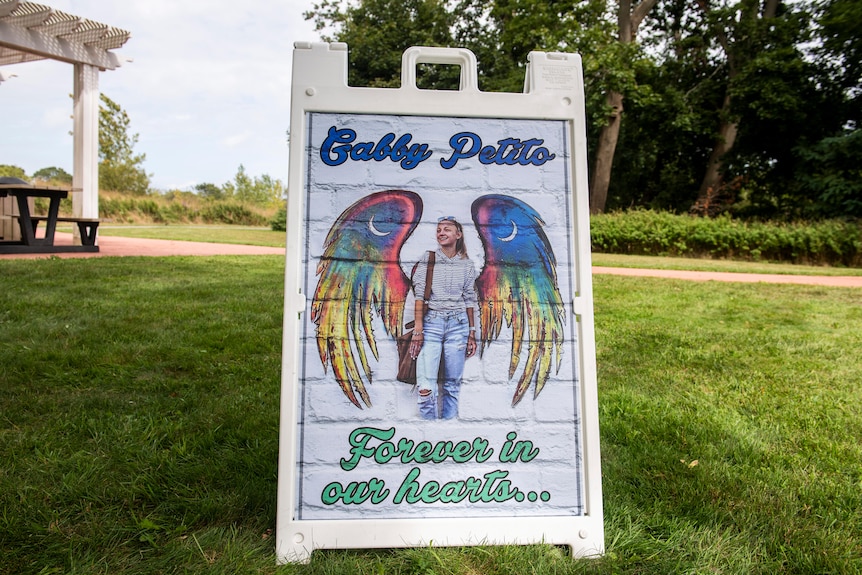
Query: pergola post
[[31, 31], [85, 179]]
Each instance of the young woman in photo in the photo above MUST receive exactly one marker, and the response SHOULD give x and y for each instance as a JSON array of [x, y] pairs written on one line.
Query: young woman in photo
[[445, 332]]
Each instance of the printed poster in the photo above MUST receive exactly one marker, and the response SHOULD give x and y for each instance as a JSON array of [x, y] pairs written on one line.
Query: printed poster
[[375, 188]]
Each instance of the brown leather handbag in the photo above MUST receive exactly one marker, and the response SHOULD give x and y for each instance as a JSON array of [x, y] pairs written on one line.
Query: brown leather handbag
[[407, 364]]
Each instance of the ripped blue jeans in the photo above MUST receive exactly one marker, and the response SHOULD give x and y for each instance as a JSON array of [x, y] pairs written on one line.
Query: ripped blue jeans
[[445, 338]]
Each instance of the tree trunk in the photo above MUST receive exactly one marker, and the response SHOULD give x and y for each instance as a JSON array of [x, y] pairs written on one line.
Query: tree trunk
[[628, 21], [605, 154], [711, 191]]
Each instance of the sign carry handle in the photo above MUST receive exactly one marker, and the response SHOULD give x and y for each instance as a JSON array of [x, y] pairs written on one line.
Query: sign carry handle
[[435, 55]]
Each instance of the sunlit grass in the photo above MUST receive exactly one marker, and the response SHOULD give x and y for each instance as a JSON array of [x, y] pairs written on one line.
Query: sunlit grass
[[267, 237], [139, 421]]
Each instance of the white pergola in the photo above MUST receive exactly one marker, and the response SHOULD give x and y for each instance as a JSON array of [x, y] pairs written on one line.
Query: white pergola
[[31, 31]]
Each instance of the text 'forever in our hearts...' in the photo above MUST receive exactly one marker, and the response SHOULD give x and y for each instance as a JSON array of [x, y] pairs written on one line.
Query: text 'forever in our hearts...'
[[373, 446]]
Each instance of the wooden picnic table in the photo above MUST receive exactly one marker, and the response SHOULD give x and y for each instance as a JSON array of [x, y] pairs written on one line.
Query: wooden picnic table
[[29, 222]]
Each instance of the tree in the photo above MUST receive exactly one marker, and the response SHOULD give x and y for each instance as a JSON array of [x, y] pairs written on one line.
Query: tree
[[502, 33], [628, 20], [378, 31], [829, 168], [119, 167], [665, 139], [738, 102], [729, 104], [839, 53], [263, 190], [831, 176], [747, 35], [9, 171], [53, 174], [209, 191]]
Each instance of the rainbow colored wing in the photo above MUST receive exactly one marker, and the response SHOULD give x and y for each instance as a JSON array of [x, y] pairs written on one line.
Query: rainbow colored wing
[[360, 273], [518, 285]]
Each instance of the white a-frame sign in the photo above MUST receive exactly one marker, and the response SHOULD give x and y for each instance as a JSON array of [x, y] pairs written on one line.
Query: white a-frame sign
[[497, 441]]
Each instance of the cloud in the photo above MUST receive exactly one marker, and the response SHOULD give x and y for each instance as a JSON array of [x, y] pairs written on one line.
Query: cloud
[[57, 116], [236, 139], [208, 89]]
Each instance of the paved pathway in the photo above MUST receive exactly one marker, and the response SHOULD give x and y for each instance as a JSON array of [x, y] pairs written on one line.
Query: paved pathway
[[835, 281], [118, 246]]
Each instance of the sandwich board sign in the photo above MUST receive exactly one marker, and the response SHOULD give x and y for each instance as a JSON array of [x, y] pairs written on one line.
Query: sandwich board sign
[[498, 442]]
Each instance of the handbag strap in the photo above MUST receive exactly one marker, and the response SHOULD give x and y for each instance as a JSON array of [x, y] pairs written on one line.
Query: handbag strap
[[429, 276]]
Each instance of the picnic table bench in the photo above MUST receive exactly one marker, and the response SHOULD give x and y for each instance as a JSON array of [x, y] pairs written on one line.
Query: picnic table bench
[[28, 222], [87, 227]]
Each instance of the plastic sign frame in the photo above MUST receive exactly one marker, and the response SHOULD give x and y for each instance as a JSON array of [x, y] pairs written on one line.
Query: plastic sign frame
[[358, 468]]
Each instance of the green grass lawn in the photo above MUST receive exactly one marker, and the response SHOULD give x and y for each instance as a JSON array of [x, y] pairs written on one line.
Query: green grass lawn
[[198, 233], [139, 420], [266, 237]]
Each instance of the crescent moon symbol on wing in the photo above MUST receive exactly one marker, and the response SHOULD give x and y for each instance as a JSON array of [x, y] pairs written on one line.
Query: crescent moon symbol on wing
[[374, 230], [514, 233]]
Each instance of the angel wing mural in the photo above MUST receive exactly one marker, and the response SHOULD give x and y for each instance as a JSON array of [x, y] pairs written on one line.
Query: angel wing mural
[[518, 285], [360, 273]]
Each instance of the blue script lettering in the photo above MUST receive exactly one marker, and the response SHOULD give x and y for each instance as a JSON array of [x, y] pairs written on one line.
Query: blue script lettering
[[508, 152], [338, 147]]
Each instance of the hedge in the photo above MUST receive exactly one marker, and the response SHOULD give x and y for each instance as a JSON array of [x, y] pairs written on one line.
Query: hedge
[[643, 232]]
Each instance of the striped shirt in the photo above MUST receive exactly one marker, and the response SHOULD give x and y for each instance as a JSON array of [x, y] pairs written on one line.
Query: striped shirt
[[454, 285]]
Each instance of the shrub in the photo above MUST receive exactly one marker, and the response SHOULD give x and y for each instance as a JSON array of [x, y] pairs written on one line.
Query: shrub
[[173, 208], [229, 213], [278, 223], [643, 232]]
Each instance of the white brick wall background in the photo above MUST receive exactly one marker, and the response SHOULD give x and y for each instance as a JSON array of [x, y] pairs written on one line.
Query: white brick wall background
[[551, 421]]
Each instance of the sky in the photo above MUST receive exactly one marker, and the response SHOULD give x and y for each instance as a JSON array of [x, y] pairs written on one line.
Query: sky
[[207, 90]]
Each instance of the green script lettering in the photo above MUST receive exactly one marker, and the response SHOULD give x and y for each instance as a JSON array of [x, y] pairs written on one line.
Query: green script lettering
[[355, 492], [359, 438], [514, 450], [373, 443], [492, 488]]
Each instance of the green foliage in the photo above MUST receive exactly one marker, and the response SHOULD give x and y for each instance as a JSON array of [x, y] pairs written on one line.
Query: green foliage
[[831, 175], [175, 208], [789, 79], [7, 170], [260, 191], [53, 174], [231, 213], [666, 140], [210, 191], [120, 169], [839, 56], [656, 233], [378, 31], [246, 201], [503, 33], [278, 223]]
